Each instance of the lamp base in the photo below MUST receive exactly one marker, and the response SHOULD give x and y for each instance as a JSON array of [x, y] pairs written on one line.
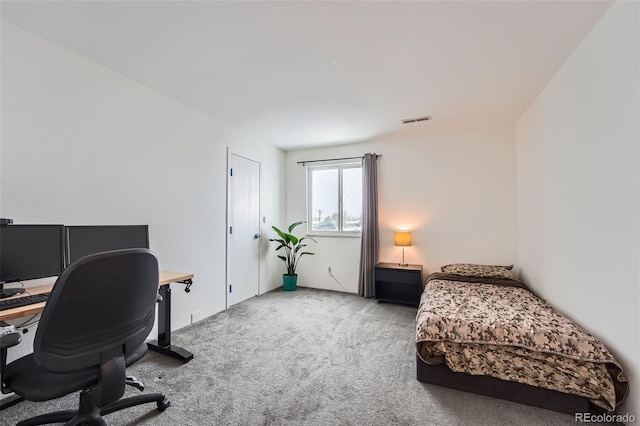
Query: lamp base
[[403, 264]]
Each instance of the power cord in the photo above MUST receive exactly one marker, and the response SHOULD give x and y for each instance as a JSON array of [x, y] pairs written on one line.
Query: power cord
[[336, 280], [25, 326]]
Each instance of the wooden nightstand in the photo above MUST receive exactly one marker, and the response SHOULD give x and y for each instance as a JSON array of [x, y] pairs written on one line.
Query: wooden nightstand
[[398, 284]]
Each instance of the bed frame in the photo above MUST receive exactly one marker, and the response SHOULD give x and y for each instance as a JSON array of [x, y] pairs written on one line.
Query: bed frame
[[441, 375]]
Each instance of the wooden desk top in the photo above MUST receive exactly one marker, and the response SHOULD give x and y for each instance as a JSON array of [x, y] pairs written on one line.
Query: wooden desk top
[[166, 277]]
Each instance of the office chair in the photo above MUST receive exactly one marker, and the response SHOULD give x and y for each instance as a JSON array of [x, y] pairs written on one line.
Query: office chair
[[95, 322]]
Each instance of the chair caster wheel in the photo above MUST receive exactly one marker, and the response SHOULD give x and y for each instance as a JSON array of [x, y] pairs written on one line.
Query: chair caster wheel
[[162, 405]]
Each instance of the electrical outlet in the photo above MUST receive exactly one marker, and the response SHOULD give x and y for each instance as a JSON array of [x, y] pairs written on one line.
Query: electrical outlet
[[329, 270], [195, 317]]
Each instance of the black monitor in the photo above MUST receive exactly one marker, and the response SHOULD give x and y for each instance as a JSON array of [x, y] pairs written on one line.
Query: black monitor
[[90, 239], [28, 252]]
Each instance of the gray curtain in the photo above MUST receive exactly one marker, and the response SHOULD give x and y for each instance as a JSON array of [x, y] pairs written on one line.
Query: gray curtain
[[369, 247]]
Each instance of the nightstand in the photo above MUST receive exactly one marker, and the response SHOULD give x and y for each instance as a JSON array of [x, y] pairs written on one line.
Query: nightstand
[[398, 284]]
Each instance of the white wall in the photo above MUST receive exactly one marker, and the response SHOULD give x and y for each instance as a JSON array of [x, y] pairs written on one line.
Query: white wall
[[455, 189], [84, 145], [578, 189]]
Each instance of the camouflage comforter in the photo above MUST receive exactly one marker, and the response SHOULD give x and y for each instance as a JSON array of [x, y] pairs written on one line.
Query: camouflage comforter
[[507, 332]]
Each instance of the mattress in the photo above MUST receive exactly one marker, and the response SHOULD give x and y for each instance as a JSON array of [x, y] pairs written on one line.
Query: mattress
[[498, 328]]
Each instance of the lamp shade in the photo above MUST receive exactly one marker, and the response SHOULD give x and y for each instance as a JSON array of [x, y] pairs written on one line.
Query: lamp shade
[[403, 238]]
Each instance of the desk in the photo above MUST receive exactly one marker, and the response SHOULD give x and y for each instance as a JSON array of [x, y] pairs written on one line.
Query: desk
[[162, 345]]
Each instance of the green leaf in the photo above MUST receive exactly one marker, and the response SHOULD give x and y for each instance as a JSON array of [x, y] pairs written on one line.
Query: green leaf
[[293, 225], [279, 232]]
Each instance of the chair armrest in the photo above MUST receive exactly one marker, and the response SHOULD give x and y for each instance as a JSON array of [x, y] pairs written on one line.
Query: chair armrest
[[8, 337], [9, 340]]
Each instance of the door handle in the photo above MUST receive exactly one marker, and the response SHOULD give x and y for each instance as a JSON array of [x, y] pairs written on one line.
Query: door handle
[[256, 236]]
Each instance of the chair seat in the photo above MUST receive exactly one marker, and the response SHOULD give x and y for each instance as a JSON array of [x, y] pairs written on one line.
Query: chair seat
[[35, 383]]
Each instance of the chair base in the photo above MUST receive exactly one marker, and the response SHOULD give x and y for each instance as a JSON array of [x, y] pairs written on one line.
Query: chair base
[[91, 415]]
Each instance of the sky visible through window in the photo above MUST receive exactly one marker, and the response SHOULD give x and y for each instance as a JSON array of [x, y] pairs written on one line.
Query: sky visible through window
[[325, 200]]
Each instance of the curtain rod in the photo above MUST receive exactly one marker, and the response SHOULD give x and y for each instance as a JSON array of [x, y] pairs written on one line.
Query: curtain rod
[[334, 159]]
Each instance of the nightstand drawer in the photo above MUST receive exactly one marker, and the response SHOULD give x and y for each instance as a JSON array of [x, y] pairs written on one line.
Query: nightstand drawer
[[399, 293], [397, 276]]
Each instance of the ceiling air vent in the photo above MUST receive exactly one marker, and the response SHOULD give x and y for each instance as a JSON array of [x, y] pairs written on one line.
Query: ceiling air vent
[[415, 120]]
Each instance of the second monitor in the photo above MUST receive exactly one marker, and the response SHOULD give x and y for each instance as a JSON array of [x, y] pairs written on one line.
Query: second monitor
[[90, 239]]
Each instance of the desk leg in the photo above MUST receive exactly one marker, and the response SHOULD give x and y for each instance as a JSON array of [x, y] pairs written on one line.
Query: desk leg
[[163, 344], [10, 401]]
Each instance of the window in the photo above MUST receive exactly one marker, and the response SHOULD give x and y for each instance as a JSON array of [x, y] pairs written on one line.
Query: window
[[335, 199]]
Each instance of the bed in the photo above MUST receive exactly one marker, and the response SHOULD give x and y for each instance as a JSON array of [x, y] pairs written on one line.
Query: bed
[[479, 330]]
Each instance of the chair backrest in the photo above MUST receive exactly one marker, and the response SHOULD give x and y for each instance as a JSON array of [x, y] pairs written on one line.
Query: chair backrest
[[98, 304]]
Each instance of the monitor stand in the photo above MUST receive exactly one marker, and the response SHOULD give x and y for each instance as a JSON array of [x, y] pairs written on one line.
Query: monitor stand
[[8, 292]]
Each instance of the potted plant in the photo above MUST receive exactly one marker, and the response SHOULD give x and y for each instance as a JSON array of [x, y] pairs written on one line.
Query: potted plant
[[292, 246]]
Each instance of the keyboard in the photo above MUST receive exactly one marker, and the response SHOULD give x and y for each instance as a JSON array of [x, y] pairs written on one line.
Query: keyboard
[[23, 301]]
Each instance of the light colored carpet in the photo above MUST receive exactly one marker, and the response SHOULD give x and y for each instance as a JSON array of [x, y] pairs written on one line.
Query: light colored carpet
[[309, 357]]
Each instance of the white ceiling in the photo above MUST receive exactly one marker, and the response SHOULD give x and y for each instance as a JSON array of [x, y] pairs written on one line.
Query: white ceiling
[[313, 73]]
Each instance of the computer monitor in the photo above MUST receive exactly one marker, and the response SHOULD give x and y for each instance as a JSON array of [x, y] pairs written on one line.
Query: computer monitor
[[28, 252], [85, 240]]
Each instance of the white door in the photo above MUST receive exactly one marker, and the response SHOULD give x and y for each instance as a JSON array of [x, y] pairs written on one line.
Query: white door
[[243, 232]]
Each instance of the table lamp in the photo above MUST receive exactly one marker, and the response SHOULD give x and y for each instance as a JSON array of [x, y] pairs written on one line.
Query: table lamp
[[403, 239]]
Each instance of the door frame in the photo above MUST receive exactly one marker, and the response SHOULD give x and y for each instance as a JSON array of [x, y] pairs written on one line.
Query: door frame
[[230, 152]]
